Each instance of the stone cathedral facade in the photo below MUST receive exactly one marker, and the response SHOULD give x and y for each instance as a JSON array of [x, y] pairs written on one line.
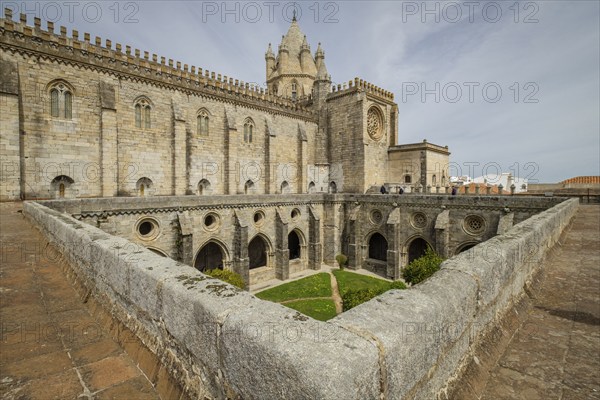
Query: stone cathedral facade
[[82, 117]]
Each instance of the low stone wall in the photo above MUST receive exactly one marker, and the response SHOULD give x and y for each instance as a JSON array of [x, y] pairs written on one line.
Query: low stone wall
[[221, 342], [426, 334]]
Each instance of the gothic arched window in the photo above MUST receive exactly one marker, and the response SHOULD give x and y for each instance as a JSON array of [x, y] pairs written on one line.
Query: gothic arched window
[[248, 129], [61, 100], [202, 123], [143, 109]]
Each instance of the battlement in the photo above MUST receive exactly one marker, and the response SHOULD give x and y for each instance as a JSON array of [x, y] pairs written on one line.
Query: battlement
[[131, 61], [360, 85]]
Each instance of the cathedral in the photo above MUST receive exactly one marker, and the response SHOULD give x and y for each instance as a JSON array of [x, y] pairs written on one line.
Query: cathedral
[[82, 117]]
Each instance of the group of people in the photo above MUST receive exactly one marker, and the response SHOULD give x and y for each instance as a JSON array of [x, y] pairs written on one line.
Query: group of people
[[383, 190]]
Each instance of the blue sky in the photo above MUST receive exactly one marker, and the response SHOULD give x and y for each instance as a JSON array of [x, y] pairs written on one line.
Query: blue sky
[[506, 84]]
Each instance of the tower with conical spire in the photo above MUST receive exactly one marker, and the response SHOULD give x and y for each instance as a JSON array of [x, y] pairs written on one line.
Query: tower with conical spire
[[292, 73]]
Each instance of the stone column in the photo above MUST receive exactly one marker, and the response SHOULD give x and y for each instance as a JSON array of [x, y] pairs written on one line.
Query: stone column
[[301, 182], [12, 176], [240, 262], [442, 234], [331, 232], [108, 140], [186, 225], [282, 252], [355, 253], [315, 256], [394, 245], [179, 154], [230, 174], [270, 167], [505, 223]]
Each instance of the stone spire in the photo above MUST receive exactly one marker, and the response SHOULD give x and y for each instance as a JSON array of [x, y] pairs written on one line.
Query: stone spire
[[322, 74], [269, 54], [294, 68]]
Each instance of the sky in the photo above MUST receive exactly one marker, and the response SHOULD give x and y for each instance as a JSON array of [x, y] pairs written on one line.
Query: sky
[[510, 86]]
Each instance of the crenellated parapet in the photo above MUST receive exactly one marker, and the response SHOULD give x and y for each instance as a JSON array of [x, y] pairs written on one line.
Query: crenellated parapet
[[125, 62], [359, 85]]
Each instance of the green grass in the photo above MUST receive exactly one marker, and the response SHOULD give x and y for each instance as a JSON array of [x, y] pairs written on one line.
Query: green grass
[[318, 285], [351, 281], [321, 310]]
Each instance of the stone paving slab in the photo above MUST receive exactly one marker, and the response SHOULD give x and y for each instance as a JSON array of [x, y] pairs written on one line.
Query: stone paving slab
[[51, 347], [555, 354]]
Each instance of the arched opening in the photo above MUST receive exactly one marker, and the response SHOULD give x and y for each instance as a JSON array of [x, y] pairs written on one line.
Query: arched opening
[[257, 253], [157, 251], [61, 185], [203, 187], [434, 180], [285, 187], [209, 257], [332, 187], [311, 187], [248, 187], [407, 179], [465, 247], [142, 186], [378, 247], [294, 245], [417, 249]]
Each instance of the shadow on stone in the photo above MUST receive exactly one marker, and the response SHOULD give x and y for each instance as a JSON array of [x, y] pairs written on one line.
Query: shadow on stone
[[577, 316]]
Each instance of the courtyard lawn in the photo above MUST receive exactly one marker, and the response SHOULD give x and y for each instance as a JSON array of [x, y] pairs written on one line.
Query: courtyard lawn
[[320, 309], [318, 285], [352, 281]]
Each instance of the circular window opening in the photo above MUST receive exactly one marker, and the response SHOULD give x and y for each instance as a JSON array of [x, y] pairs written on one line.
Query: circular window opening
[[259, 218], [146, 228], [376, 217], [211, 221], [474, 224], [419, 220], [295, 214]]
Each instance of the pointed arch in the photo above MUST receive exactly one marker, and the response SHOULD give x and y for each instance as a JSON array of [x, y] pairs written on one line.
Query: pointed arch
[[61, 186], [259, 249], [249, 187], [212, 254], [61, 98], [157, 251], [249, 127], [333, 187], [416, 248], [465, 246], [312, 187], [143, 185], [143, 112], [378, 246], [296, 242], [204, 187], [285, 187], [202, 122]]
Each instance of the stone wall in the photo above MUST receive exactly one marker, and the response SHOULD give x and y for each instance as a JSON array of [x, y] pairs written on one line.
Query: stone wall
[[218, 341], [345, 225]]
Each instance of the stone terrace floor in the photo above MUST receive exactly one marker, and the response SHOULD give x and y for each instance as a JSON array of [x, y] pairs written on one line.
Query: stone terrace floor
[[51, 348], [555, 354]]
